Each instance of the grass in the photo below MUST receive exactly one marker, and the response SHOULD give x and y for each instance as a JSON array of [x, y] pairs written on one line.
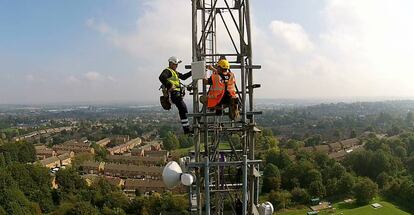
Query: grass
[[352, 209]]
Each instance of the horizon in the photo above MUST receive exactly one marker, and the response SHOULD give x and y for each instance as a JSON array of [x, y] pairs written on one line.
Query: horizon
[[348, 100]]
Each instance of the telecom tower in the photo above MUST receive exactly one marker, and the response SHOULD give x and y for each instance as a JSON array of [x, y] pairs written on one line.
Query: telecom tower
[[224, 178]]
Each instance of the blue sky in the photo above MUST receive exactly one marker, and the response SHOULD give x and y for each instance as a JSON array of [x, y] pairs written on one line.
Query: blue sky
[[101, 50]]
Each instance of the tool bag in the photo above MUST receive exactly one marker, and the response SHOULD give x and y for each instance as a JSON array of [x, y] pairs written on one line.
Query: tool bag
[[165, 99]]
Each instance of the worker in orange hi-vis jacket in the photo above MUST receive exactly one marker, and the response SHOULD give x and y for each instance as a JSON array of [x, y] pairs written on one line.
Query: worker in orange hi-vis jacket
[[222, 92]]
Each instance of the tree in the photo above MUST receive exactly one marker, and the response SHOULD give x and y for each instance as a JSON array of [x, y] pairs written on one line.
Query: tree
[[170, 142], [331, 186], [410, 163], [174, 203], [316, 189], [34, 181], [311, 176], [364, 190], [27, 152], [69, 181], [293, 144], [279, 158], [337, 134], [100, 152], [271, 178], [314, 140], [185, 141], [400, 152], [280, 199], [269, 142], [383, 179], [2, 160], [300, 195], [83, 208], [345, 184], [13, 201], [353, 133]]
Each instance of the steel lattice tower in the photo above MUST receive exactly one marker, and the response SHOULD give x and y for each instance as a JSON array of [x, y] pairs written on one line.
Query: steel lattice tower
[[213, 167]]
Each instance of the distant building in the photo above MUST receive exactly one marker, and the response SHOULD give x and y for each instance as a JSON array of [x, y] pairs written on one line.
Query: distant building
[[150, 146], [137, 160], [42, 132], [307, 149], [43, 152], [66, 158], [349, 143], [103, 142], [322, 148], [92, 167], [335, 147], [116, 140], [75, 146], [160, 153], [149, 135], [120, 149], [132, 171], [50, 162], [117, 182]]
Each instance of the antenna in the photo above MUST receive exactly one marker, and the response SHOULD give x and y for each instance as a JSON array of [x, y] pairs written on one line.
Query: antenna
[[223, 176]]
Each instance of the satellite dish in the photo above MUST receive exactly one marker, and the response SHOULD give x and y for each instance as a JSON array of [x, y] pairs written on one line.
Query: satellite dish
[[173, 174], [266, 208]]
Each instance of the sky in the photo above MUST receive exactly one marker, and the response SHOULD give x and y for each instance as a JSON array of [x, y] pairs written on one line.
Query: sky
[[104, 50]]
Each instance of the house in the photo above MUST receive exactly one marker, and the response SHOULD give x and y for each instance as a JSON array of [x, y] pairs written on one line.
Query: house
[[349, 143], [335, 147], [43, 152], [117, 182], [307, 149], [90, 178], [322, 148], [103, 142], [122, 148], [150, 146], [160, 153], [66, 158], [338, 155], [92, 167], [50, 162], [75, 146], [115, 140], [132, 171], [137, 160]]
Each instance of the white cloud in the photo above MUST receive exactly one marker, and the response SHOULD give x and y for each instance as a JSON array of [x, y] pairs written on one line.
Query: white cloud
[[30, 78], [110, 78], [72, 80], [93, 76], [159, 33], [34, 78], [364, 49], [292, 34], [101, 27]]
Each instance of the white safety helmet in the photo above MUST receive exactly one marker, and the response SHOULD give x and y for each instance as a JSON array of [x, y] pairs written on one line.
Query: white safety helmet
[[174, 60]]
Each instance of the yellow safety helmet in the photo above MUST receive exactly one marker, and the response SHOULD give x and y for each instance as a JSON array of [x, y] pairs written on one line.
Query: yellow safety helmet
[[224, 64]]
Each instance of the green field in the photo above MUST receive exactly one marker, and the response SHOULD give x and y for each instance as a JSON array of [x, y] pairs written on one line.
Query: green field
[[350, 209]]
